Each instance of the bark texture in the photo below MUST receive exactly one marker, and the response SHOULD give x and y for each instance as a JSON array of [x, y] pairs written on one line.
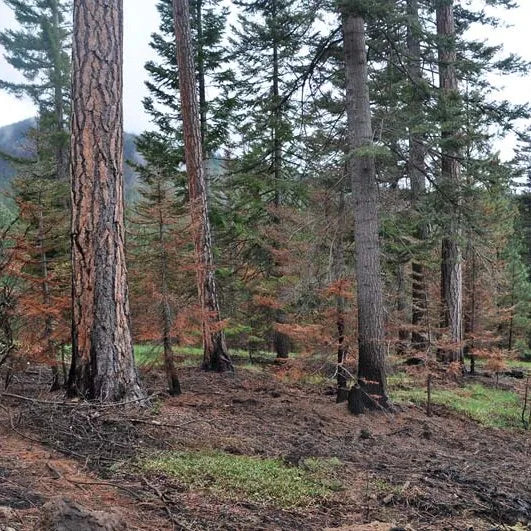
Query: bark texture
[[417, 172], [102, 351], [371, 364], [216, 356], [451, 260]]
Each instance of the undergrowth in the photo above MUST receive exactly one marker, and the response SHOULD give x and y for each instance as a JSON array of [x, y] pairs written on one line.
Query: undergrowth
[[490, 407], [266, 481]]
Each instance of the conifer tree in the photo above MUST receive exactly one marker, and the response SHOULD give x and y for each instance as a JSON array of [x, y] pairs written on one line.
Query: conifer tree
[[103, 365], [156, 257], [164, 145], [40, 51], [371, 362], [268, 45], [216, 355]]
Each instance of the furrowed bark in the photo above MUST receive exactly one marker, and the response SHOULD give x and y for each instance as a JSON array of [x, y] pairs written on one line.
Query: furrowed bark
[[215, 353], [416, 173], [102, 351], [371, 386], [451, 259]]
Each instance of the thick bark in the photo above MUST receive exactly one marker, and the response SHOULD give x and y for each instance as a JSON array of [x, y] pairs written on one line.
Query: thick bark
[[451, 266], [371, 364], [416, 172], [174, 387], [102, 351], [216, 356]]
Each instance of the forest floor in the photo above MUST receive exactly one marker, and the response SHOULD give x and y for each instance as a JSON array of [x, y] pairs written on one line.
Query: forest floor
[[258, 450]]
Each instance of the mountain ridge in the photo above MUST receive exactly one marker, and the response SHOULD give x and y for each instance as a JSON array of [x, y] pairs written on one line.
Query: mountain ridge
[[14, 142]]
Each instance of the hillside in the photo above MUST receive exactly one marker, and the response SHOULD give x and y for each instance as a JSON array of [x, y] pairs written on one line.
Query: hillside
[[14, 141]]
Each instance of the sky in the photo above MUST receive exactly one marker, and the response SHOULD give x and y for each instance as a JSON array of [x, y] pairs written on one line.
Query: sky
[[141, 20]]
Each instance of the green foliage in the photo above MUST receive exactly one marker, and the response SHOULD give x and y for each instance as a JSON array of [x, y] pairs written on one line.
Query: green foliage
[[163, 148], [264, 481], [488, 406], [40, 51]]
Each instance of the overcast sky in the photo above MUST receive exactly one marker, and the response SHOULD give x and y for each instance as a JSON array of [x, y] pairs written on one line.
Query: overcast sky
[[141, 19]]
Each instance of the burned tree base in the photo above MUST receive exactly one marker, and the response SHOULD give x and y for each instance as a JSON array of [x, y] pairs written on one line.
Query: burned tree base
[[219, 359], [174, 386], [363, 398], [342, 395]]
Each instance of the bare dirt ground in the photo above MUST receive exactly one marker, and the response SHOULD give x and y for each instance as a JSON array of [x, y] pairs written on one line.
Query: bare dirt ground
[[401, 470]]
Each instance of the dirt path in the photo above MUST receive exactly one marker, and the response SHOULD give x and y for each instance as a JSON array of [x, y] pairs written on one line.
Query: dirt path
[[404, 469]]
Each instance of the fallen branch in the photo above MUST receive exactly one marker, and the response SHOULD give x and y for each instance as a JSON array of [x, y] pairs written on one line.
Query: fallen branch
[[164, 501], [155, 422], [77, 404]]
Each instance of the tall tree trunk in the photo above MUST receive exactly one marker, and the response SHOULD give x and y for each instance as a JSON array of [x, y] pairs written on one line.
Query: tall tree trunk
[[371, 361], [216, 356], [103, 365], [174, 386], [281, 341], [451, 260], [511, 320], [416, 172]]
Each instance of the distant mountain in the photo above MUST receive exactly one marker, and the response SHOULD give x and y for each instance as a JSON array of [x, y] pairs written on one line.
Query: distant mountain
[[14, 142]]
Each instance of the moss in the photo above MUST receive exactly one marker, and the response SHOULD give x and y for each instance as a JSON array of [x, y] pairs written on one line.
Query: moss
[[266, 481]]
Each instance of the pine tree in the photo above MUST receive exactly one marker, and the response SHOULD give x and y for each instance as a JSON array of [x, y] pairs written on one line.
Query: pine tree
[[155, 256], [216, 356], [451, 261], [268, 46], [40, 51], [164, 146], [102, 351], [371, 362]]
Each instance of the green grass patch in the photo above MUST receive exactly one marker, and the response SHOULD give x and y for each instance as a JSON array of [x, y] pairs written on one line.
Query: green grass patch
[[490, 407], [266, 481], [151, 355], [147, 354]]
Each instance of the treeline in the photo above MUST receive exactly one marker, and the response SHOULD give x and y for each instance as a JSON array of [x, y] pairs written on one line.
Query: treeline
[[319, 177]]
